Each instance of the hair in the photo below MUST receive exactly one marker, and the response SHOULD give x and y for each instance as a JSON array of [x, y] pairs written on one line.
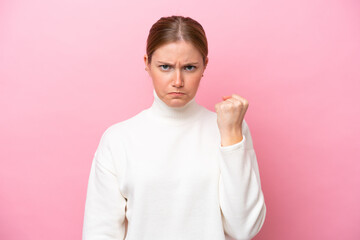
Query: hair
[[173, 29]]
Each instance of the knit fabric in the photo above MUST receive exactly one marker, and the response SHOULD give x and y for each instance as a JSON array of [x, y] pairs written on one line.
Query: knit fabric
[[165, 170]]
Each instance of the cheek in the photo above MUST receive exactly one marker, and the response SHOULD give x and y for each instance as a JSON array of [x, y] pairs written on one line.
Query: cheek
[[159, 80], [195, 80], [160, 76]]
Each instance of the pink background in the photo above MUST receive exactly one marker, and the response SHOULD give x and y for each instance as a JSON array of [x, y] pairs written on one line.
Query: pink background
[[71, 68]]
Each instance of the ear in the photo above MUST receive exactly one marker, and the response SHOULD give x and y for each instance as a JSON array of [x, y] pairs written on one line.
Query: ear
[[146, 62], [206, 62]]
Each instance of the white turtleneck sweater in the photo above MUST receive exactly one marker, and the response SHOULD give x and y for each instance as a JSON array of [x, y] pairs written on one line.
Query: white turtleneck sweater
[[165, 170]]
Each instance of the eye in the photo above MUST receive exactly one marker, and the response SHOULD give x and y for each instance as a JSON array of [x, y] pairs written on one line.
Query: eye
[[192, 67], [166, 67]]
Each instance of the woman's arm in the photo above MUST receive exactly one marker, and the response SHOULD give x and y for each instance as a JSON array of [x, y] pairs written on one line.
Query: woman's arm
[[104, 216], [241, 199]]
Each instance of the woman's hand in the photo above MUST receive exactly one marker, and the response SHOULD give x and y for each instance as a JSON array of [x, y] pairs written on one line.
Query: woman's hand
[[230, 114]]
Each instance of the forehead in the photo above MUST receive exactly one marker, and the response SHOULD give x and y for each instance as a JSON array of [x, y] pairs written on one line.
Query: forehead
[[179, 50]]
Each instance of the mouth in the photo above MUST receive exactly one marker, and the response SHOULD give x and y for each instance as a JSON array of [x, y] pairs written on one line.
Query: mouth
[[177, 93]]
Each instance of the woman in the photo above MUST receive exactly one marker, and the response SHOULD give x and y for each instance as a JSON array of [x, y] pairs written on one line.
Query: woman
[[176, 170]]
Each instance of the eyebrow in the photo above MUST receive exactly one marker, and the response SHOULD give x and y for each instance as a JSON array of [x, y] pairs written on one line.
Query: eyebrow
[[194, 63]]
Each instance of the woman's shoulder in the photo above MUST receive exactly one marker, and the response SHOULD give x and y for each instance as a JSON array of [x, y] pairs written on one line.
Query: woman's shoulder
[[119, 128], [208, 115]]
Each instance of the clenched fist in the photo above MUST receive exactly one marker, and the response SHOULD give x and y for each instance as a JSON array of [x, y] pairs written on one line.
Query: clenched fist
[[230, 114]]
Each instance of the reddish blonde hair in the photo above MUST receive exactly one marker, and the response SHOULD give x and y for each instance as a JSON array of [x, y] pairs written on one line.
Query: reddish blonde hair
[[176, 28]]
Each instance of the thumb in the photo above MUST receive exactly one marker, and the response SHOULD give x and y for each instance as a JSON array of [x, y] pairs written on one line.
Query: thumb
[[226, 97]]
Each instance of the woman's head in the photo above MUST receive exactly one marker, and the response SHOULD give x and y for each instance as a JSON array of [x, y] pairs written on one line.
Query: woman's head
[[176, 57]]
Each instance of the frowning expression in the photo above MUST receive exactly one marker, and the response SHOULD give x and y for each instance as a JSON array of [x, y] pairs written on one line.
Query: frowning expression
[[176, 69]]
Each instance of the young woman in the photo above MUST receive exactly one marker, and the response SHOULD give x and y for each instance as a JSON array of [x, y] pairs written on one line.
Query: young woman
[[176, 170]]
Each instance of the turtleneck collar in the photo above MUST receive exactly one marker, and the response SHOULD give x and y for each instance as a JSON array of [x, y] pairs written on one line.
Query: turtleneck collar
[[174, 115]]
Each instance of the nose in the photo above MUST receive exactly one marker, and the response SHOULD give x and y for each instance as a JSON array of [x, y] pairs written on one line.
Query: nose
[[178, 82]]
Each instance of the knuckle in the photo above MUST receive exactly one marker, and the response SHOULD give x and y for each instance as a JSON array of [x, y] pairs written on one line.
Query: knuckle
[[238, 104]]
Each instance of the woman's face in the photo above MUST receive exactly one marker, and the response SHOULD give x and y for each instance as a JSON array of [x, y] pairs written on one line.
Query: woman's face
[[176, 70]]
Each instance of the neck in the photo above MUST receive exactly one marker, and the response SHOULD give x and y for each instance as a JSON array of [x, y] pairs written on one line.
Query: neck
[[174, 115]]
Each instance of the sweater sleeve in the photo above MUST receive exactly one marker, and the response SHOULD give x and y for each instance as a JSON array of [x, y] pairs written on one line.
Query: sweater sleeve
[[105, 206], [241, 199]]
